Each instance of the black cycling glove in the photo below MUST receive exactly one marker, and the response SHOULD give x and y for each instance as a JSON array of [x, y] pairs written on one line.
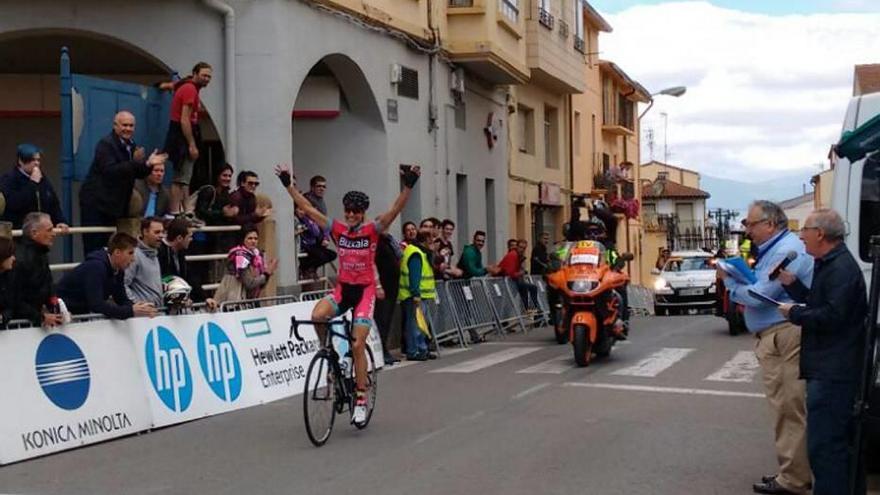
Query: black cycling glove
[[285, 178], [410, 178]]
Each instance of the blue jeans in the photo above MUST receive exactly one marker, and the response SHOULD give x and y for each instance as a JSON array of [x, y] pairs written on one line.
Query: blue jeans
[[416, 342], [830, 435]]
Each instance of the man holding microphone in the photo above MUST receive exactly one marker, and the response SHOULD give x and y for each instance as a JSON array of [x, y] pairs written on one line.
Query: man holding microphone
[[778, 346], [832, 315]]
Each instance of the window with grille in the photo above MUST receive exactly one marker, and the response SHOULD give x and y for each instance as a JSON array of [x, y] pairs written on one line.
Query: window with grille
[[409, 83]]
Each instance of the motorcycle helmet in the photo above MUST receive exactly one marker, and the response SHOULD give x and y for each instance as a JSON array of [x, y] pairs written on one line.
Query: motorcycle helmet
[[176, 290], [594, 229], [356, 200]]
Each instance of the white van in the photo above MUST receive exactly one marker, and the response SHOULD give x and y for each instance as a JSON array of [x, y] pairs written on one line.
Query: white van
[[856, 187], [856, 196]]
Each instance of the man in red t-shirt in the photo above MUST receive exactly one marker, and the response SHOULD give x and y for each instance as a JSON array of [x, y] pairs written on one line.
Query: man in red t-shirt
[[184, 136]]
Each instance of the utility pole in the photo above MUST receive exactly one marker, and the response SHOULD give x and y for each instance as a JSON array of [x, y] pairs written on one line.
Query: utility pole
[[649, 135], [665, 142]]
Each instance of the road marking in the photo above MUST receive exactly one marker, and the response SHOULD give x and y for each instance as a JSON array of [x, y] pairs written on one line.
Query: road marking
[[654, 364], [665, 390], [741, 368], [555, 366], [467, 419], [530, 391], [488, 360]]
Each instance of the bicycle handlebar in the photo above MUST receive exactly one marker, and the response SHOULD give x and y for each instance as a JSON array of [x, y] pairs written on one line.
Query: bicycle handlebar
[[294, 326]]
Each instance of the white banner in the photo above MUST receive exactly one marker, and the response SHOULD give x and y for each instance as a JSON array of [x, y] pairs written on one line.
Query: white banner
[[68, 388], [95, 381]]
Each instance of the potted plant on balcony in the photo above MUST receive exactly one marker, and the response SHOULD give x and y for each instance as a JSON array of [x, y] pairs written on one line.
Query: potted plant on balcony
[[628, 207]]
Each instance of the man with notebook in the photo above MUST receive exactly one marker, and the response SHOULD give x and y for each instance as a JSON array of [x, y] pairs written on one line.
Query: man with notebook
[[778, 341]]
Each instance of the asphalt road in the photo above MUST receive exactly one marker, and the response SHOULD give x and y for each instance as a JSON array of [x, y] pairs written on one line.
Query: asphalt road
[[677, 409]]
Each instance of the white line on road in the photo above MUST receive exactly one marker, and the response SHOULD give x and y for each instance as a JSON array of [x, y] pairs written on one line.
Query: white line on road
[[488, 360], [555, 366], [741, 368], [654, 364], [467, 419], [530, 391], [665, 390]]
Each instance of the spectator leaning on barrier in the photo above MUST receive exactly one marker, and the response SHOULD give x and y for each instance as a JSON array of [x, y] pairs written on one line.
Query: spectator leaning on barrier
[[106, 193], [143, 277], [517, 274], [778, 347], [97, 285], [832, 316], [184, 135], [471, 261], [172, 259], [32, 278], [153, 194], [26, 189], [7, 294], [417, 289], [245, 199], [540, 256], [246, 270]]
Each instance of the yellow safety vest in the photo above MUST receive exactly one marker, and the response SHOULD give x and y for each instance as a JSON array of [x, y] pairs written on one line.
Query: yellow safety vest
[[427, 288]]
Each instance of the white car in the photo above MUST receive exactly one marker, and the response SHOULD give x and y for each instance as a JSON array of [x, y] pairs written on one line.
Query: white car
[[687, 281]]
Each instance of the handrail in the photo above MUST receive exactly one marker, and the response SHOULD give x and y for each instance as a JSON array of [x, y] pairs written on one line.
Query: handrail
[[112, 230]]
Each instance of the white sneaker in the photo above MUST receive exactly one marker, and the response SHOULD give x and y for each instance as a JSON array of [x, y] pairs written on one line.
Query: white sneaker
[[360, 414]]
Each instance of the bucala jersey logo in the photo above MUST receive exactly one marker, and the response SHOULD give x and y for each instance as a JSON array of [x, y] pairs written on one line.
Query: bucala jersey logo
[[63, 371], [219, 362], [168, 369]]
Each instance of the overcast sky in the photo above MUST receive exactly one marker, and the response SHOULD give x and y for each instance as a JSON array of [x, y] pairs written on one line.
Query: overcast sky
[[768, 80]]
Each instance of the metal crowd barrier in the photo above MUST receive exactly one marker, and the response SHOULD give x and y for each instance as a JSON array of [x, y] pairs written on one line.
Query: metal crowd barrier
[[538, 313], [641, 300], [506, 303], [471, 307], [442, 318], [314, 295], [260, 302]]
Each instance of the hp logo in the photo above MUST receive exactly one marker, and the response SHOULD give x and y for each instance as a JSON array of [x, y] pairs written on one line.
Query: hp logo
[[169, 369], [63, 371], [219, 362]]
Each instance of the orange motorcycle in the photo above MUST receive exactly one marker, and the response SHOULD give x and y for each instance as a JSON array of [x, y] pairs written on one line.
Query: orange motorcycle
[[589, 316]]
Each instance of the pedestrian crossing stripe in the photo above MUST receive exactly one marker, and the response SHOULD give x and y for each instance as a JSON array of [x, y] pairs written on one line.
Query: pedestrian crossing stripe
[[488, 360], [656, 363], [742, 368]]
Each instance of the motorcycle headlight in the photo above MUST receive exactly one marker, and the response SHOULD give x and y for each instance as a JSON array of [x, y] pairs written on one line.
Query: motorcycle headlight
[[661, 284], [580, 286]]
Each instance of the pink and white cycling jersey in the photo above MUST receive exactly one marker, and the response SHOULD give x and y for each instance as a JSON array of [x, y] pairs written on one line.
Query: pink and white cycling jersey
[[357, 252]]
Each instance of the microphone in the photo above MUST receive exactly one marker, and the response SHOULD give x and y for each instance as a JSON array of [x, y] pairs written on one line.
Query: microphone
[[791, 256]]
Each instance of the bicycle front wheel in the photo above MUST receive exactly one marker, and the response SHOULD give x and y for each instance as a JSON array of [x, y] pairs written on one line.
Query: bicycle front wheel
[[319, 398]]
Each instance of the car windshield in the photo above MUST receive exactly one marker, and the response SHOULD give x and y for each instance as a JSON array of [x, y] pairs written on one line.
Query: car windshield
[[688, 265]]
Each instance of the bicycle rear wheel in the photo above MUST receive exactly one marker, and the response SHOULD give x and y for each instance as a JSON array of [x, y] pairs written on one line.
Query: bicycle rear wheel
[[319, 398], [372, 388]]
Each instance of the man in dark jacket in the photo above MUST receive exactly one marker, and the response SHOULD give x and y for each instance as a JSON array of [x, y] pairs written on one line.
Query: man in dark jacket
[[245, 198], [106, 192], [27, 190], [90, 287], [832, 348], [32, 279]]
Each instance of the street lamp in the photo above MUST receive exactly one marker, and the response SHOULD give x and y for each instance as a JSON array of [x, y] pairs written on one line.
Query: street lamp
[[675, 91]]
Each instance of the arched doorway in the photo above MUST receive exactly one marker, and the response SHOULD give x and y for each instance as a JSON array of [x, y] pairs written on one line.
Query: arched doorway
[[30, 101], [339, 133]]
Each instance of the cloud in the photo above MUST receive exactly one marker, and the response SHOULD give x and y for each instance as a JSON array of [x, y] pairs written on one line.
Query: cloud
[[766, 94]]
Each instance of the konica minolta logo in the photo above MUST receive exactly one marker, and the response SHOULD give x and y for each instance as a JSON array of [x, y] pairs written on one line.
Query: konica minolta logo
[[219, 362], [168, 369], [63, 371]]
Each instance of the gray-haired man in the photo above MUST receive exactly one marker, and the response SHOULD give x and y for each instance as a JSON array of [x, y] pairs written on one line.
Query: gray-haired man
[[32, 279]]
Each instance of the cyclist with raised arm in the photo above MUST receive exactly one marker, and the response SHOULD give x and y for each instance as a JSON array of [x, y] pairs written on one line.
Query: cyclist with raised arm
[[356, 241]]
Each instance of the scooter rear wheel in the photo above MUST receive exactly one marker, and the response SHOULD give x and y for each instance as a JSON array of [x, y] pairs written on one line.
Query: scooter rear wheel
[[583, 348]]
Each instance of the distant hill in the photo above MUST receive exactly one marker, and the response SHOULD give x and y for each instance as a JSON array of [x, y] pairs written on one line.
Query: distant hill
[[737, 195]]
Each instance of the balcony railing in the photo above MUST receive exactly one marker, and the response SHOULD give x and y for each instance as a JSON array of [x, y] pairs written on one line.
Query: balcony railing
[[461, 3], [563, 29], [510, 10], [546, 19], [580, 45]]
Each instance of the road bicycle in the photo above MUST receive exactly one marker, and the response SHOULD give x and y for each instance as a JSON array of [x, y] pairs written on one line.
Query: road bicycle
[[330, 384]]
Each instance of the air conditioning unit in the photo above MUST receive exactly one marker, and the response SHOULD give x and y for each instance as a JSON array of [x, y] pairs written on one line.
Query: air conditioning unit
[[456, 81], [396, 73]]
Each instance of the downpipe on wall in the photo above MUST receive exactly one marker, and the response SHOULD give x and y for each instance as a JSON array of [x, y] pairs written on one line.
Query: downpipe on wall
[[231, 144]]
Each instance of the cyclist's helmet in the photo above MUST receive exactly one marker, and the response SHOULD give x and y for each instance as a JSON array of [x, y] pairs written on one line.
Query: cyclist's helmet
[[176, 290], [356, 200]]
